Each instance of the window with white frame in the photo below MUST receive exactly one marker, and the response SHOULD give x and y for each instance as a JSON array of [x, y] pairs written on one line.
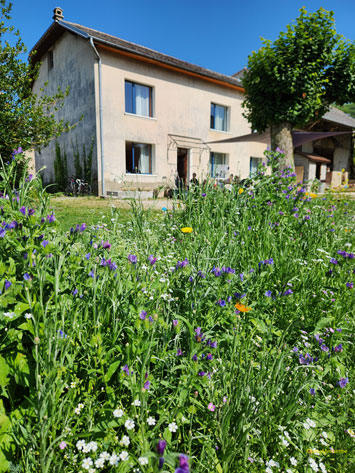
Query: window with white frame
[[138, 99], [139, 158], [254, 164], [218, 165], [219, 117]]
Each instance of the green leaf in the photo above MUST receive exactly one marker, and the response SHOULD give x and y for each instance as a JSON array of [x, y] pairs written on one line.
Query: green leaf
[[4, 371], [112, 369]]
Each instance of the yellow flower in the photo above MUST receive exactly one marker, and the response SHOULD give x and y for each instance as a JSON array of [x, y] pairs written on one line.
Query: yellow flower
[[241, 307], [186, 230], [241, 191], [343, 170]]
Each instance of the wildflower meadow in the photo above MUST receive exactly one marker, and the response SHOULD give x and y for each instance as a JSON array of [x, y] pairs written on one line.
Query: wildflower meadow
[[214, 337]]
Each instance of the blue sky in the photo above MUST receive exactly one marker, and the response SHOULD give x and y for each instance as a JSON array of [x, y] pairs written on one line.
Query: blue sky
[[218, 35]]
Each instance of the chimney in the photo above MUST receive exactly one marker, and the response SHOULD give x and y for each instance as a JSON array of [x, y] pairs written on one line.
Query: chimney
[[58, 14]]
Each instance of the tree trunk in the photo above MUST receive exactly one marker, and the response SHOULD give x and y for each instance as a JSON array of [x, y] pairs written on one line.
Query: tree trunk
[[281, 137]]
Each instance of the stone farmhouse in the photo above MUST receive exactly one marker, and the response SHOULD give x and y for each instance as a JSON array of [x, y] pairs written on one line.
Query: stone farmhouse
[[150, 115], [154, 119]]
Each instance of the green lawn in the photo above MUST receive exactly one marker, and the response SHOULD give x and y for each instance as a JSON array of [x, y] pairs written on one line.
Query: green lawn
[[70, 211]]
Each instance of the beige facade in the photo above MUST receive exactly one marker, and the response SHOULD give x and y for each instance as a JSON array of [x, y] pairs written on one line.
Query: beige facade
[[181, 121]]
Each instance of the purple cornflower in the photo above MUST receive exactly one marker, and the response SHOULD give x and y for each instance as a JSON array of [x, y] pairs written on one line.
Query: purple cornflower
[[147, 385], [106, 245], [209, 356], [175, 322], [201, 274], [31, 212], [23, 210], [202, 373], [75, 292], [161, 462], [179, 352], [194, 357], [288, 292], [87, 256], [125, 369], [161, 447], [191, 279], [268, 293], [62, 334], [2, 233], [350, 285], [50, 218], [182, 264], [343, 382], [183, 465], [82, 227], [338, 348], [211, 344], [241, 275], [333, 261], [324, 347], [132, 258], [221, 302], [312, 392], [26, 277], [45, 243], [152, 260], [143, 315], [92, 274], [7, 284]]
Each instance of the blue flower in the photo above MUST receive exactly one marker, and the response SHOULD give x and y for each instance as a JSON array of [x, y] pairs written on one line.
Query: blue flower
[[268, 293], [26, 277], [132, 258]]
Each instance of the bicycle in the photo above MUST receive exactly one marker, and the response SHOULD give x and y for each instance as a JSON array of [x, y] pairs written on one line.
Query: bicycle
[[83, 187]]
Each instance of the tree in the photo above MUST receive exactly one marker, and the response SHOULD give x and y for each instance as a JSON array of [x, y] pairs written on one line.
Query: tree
[[26, 120], [296, 78]]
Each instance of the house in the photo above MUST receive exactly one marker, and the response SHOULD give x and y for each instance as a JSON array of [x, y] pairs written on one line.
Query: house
[[150, 115], [328, 158]]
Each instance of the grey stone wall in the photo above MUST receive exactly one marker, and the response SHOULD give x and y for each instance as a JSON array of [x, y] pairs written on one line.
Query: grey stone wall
[[73, 66]]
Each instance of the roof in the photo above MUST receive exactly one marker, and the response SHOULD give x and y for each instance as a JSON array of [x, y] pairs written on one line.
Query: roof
[[58, 27], [314, 157], [339, 117]]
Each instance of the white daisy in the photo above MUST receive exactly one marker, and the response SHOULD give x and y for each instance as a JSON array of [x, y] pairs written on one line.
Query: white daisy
[[80, 444], [124, 455], [125, 441], [313, 464], [151, 421], [136, 402], [129, 424], [114, 459], [293, 461], [143, 460], [87, 463], [105, 456], [92, 446], [118, 413], [100, 463], [172, 427]]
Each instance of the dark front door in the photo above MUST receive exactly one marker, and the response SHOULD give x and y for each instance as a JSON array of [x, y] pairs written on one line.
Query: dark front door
[[182, 154]]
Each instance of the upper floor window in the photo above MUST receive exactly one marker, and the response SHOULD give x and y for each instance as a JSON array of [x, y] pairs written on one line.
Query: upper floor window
[[138, 99], [219, 117]]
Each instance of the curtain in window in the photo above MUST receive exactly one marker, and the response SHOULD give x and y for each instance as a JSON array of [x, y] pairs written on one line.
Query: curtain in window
[[144, 160], [219, 118], [142, 100]]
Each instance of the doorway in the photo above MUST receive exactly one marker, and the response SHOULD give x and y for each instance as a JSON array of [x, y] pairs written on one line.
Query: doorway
[[182, 158]]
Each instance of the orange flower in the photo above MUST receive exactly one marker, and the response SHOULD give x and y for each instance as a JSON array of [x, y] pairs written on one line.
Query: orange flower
[[240, 191], [241, 307]]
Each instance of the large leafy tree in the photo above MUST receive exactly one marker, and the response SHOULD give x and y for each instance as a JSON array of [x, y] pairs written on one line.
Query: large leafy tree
[[26, 120], [296, 78]]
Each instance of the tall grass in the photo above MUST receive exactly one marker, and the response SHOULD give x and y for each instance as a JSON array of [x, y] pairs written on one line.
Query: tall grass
[[232, 340]]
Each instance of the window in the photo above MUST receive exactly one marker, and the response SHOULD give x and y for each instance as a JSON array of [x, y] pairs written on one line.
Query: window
[[219, 117], [254, 164], [138, 158], [138, 99], [218, 165], [50, 60]]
